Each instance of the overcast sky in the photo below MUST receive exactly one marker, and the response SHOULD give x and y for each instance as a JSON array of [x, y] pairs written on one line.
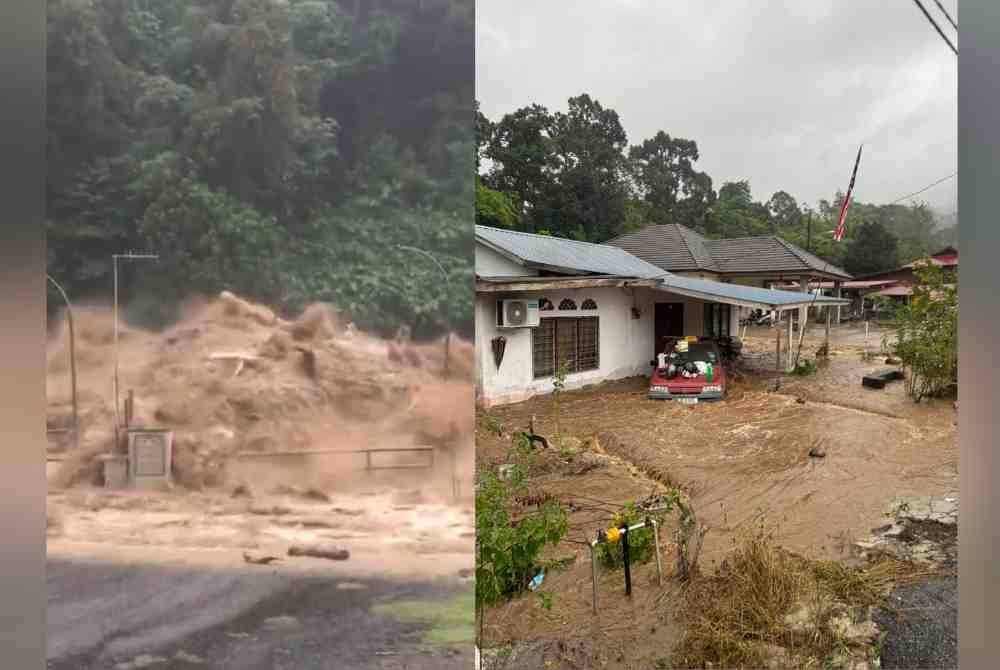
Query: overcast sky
[[780, 93]]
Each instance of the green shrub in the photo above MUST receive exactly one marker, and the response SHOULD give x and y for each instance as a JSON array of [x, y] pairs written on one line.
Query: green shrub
[[927, 333], [507, 550]]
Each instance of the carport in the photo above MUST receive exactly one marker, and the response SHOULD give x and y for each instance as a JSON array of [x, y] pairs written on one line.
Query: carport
[[751, 297]]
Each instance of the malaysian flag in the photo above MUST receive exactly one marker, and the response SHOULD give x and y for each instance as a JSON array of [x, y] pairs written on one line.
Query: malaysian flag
[[838, 233]]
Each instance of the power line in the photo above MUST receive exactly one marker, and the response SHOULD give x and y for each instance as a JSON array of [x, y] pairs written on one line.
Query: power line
[[923, 189], [946, 14], [936, 26]]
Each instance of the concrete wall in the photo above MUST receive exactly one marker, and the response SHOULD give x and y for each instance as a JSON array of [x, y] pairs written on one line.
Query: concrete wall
[[491, 264], [699, 275], [626, 343]]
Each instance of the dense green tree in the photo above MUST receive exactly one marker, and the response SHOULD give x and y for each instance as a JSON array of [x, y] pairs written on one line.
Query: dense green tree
[[494, 208], [573, 174], [784, 211], [666, 179], [872, 249], [228, 135]]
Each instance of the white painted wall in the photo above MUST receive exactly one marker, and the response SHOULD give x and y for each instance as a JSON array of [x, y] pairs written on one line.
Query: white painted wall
[[626, 343], [491, 264]]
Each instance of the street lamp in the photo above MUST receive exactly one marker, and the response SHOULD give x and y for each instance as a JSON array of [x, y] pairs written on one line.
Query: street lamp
[[72, 360], [447, 282]]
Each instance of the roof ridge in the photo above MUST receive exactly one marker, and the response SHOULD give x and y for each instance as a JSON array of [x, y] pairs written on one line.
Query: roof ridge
[[798, 251], [680, 231]]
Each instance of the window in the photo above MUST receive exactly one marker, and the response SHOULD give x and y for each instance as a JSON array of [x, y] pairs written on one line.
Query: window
[[544, 305], [717, 319], [573, 341], [588, 304], [567, 305]]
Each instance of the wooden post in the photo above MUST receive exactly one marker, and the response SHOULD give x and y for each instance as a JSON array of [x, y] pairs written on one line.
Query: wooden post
[[777, 349], [788, 346], [829, 315], [836, 294]]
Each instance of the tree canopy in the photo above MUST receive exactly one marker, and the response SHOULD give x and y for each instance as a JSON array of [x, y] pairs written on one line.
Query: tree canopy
[[574, 174], [281, 150]]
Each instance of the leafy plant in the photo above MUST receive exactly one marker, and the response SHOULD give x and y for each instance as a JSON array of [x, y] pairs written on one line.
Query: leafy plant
[[493, 425], [927, 333], [640, 542], [507, 549], [545, 599]]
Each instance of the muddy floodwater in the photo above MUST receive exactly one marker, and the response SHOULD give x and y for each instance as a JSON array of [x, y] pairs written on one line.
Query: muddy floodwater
[[746, 460]]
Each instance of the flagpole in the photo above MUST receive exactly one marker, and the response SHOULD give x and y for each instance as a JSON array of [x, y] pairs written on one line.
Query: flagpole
[[838, 235]]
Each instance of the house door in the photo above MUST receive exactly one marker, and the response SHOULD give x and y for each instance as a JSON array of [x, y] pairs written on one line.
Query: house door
[[669, 322]]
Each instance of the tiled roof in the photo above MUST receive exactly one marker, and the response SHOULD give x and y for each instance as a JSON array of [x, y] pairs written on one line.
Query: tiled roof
[[671, 247], [767, 254], [675, 248]]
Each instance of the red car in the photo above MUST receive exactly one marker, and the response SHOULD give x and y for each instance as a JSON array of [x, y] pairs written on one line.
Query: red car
[[688, 376]]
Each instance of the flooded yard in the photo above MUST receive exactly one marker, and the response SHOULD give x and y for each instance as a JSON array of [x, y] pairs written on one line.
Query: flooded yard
[[743, 461]]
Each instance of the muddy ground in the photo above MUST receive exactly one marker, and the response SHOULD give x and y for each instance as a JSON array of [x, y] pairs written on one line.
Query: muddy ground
[[744, 462]]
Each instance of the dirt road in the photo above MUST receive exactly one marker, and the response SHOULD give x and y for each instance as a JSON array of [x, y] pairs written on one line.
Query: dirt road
[[120, 615]]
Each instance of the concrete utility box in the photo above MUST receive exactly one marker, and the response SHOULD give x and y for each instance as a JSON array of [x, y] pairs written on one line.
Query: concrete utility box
[[115, 471], [149, 458]]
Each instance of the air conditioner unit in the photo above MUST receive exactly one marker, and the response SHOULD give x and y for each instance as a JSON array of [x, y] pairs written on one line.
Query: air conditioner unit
[[517, 313]]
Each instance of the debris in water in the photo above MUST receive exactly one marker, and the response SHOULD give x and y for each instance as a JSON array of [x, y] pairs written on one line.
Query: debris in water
[[308, 362], [817, 452], [331, 553], [263, 560], [273, 510], [242, 491], [316, 494]]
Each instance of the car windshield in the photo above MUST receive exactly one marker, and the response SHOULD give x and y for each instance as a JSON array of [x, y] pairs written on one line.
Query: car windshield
[[697, 352]]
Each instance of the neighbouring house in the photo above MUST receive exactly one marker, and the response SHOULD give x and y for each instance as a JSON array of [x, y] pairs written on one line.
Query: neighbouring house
[[766, 261], [896, 284], [542, 302]]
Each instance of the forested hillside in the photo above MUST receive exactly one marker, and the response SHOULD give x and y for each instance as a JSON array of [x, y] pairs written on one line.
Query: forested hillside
[[575, 174], [278, 149]]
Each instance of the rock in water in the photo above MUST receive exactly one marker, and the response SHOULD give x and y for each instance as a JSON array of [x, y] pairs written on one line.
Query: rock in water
[[817, 452]]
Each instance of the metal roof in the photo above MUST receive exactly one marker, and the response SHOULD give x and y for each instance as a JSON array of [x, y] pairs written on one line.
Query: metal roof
[[567, 256], [574, 257], [748, 296]]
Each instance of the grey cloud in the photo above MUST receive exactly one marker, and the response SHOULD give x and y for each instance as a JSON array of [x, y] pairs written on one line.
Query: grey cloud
[[780, 93]]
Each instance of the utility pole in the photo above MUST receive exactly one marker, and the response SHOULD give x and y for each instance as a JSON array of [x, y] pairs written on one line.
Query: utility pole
[[114, 258]]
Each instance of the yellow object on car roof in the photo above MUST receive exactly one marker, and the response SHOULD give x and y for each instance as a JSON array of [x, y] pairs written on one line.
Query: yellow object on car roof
[[691, 338]]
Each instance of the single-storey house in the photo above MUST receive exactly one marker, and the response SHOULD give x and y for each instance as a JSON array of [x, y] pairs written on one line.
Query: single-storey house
[[764, 261], [542, 302]]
